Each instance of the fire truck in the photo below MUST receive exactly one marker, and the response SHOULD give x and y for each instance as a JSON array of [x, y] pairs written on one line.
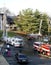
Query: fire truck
[[42, 47]]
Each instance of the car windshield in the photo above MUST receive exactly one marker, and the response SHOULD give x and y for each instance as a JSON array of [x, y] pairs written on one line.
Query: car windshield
[[19, 41], [22, 56], [37, 44]]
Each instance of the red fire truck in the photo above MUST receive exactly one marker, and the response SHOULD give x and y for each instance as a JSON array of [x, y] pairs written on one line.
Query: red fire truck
[[41, 47]]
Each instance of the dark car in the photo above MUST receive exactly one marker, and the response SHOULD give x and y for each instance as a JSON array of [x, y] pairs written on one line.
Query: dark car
[[21, 58]]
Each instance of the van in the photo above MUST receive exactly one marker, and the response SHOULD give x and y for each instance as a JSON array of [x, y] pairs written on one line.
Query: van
[[17, 42]]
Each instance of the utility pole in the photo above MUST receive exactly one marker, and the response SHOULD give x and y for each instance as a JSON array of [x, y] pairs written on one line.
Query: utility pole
[[4, 25], [40, 26], [49, 27]]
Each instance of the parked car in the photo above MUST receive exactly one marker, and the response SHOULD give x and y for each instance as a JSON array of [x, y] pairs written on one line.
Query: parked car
[[21, 58]]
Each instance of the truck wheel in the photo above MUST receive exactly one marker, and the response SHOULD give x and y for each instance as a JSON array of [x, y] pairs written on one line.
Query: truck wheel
[[43, 52], [39, 52]]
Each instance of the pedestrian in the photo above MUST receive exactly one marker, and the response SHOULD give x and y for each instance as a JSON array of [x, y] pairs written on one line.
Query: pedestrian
[[6, 51], [9, 53], [8, 47]]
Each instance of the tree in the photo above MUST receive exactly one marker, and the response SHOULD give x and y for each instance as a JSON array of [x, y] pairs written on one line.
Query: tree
[[45, 24], [29, 21], [25, 20]]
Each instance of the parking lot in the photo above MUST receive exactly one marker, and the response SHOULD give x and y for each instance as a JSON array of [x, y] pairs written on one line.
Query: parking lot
[[34, 58]]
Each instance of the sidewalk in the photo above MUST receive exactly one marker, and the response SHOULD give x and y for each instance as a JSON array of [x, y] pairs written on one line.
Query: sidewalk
[[3, 61]]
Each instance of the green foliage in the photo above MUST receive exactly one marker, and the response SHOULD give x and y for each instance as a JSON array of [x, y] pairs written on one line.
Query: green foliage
[[1, 33], [29, 21], [11, 34], [45, 24]]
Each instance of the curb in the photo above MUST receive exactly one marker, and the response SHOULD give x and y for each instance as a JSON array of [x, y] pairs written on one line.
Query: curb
[[45, 56]]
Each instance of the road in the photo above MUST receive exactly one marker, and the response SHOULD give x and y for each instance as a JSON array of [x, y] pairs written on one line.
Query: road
[[34, 58]]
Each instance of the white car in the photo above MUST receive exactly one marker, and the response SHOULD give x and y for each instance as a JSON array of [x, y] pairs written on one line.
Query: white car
[[6, 39], [12, 41], [46, 40], [17, 42]]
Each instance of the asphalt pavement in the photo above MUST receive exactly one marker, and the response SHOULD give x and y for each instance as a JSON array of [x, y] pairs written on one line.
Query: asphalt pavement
[[34, 59]]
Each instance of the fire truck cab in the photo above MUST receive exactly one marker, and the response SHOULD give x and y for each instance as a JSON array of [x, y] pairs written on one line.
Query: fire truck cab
[[42, 47]]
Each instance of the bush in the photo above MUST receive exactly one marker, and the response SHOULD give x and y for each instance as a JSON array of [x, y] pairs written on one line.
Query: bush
[[11, 34], [1, 33]]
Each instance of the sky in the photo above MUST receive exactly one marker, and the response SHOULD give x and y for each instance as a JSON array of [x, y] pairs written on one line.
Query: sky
[[17, 5]]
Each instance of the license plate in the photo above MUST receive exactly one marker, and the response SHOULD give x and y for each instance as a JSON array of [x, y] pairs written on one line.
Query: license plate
[[23, 60]]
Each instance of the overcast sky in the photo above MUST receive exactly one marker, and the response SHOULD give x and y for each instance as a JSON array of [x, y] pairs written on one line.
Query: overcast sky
[[17, 5]]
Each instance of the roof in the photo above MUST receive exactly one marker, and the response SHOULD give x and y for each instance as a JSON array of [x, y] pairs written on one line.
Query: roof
[[38, 42]]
